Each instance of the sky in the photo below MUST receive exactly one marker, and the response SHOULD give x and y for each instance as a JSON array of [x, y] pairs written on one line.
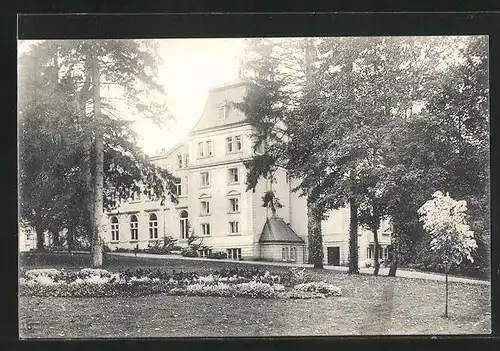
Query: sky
[[189, 68]]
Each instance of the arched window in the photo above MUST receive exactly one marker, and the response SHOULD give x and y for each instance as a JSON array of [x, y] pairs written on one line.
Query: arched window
[[115, 229], [134, 228], [153, 226], [184, 225]]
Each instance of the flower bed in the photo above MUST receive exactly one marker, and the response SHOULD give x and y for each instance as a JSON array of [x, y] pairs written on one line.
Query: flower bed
[[225, 283]]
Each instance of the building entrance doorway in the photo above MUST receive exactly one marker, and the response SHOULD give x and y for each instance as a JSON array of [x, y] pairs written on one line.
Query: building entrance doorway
[[333, 254]]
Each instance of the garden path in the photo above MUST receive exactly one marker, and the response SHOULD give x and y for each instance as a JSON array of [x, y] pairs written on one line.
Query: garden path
[[403, 273]]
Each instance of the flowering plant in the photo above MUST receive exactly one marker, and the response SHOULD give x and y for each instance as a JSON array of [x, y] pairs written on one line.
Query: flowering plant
[[319, 287]]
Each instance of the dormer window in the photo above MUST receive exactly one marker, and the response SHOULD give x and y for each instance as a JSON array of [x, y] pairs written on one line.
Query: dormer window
[[260, 147], [222, 111]]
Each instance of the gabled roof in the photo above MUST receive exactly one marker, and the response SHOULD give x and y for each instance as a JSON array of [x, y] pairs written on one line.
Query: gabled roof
[[220, 96], [277, 231], [166, 153]]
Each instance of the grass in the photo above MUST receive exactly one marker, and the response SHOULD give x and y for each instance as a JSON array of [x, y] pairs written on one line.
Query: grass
[[369, 306]]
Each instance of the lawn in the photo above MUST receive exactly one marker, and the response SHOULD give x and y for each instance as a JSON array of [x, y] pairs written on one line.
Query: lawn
[[369, 306]]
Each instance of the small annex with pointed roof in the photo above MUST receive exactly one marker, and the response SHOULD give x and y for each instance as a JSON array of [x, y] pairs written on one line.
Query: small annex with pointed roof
[[277, 231]]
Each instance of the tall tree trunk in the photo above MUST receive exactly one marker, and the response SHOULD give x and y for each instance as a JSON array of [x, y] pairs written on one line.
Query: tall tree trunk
[[82, 97], [376, 263], [394, 247], [314, 218], [353, 237], [71, 238], [89, 189], [56, 239], [40, 245], [97, 243]]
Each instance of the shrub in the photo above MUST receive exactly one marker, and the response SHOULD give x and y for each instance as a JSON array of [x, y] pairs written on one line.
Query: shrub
[[122, 249], [219, 289], [45, 272], [88, 272], [268, 278], [300, 295], [106, 248], [368, 263], [189, 252], [90, 282], [320, 288], [295, 276], [255, 289], [218, 255]]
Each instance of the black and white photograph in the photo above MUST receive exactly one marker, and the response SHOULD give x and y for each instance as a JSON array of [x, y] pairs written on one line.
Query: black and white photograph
[[254, 187]]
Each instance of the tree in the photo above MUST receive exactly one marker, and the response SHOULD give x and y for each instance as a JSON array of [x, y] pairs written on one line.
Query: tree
[[46, 151], [461, 109], [377, 95], [429, 152], [451, 238], [270, 200], [105, 149], [366, 126], [269, 107]]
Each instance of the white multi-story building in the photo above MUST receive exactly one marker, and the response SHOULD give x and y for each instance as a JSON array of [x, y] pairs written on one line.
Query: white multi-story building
[[214, 204]]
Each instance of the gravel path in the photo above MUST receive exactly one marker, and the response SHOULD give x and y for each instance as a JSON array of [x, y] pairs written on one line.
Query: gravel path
[[383, 271]]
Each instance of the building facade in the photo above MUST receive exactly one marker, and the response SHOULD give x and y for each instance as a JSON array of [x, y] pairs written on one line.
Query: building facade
[[28, 238], [213, 201]]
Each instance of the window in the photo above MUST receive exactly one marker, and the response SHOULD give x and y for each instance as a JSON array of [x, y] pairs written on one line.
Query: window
[[29, 234], [205, 229], [287, 177], [179, 161], [234, 227], [115, 229], [136, 196], [205, 207], [153, 226], [234, 205], [233, 144], [178, 188], [201, 150], [239, 145], [289, 253], [222, 111], [134, 228], [370, 251], [234, 254], [260, 147], [284, 253], [205, 178], [205, 252], [186, 160], [209, 148], [205, 148], [233, 175], [386, 253], [184, 225], [229, 144]]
